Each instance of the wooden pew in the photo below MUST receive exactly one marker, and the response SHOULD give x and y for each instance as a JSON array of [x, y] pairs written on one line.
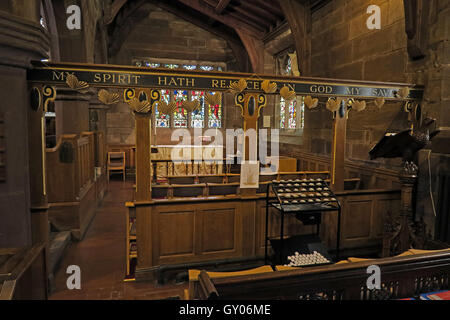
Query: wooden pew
[[188, 191], [223, 189], [404, 276], [213, 178], [74, 186], [192, 179], [23, 273]]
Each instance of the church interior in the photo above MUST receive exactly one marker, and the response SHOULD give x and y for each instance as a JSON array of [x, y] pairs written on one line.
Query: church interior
[[224, 150]]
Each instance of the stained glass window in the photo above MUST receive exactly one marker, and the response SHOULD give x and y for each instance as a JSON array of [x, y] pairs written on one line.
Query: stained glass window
[[171, 66], [163, 120], [190, 67], [293, 114], [152, 65], [215, 115], [207, 68], [282, 114], [288, 67], [180, 116], [198, 116]]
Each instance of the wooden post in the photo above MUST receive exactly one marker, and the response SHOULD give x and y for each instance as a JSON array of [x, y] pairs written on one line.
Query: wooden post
[[251, 105], [338, 152], [37, 155], [143, 159]]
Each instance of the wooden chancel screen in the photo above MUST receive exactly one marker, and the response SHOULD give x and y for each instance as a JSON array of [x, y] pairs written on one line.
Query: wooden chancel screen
[[141, 89]]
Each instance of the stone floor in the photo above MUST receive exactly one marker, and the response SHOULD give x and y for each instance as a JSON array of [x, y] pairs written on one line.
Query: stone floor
[[101, 258]]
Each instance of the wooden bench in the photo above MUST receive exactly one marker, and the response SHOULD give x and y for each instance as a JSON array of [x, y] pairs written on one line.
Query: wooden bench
[[407, 275]]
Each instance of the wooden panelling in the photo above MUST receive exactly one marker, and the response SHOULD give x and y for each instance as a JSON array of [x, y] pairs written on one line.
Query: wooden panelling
[[2, 149], [371, 177], [191, 230], [363, 217], [358, 213], [218, 230], [176, 233]]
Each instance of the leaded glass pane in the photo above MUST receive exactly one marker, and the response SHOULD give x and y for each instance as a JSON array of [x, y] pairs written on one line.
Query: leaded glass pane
[[198, 116], [163, 120], [180, 116], [215, 115]]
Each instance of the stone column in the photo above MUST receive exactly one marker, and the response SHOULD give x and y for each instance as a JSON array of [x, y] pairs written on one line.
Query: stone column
[[22, 40], [72, 112]]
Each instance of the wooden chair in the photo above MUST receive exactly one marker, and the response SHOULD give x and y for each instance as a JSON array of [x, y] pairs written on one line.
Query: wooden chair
[[215, 178], [116, 162], [220, 189]]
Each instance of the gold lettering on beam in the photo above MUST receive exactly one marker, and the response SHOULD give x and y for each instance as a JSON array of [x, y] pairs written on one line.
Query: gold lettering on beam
[[321, 89], [215, 83], [190, 82], [136, 79], [162, 81], [58, 76], [106, 77], [97, 78], [173, 82], [352, 91]]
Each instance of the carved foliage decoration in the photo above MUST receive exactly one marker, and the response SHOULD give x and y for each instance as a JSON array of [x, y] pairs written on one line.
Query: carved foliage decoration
[[191, 106], [75, 84], [107, 97], [333, 105], [239, 86], [143, 102], [213, 100], [269, 87], [311, 103], [287, 94]]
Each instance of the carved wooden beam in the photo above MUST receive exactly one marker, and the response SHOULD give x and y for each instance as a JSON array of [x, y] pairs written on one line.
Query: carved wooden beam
[[114, 10], [201, 21], [264, 13], [298, 16], [242, 57], [255, 49], [222, 5], [416, 27], [228, 20]]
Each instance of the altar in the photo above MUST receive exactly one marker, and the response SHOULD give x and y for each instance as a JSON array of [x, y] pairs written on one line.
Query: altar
[[186, 160]]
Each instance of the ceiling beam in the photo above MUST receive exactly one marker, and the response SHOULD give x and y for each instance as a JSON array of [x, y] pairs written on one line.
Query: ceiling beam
[[255, 49], [222, 5], [114, 10], [272, 6], [221, 30], [298, 16], [228, 20], [185, 13], [251, 15], [267, 14]]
